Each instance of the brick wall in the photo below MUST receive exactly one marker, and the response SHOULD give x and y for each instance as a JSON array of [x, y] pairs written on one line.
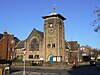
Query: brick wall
[[7, 45]]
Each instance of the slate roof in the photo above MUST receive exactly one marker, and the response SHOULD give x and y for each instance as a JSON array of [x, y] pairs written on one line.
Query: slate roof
[[67, 45], [15, 38], [73, 42], [20, 45], [54, 14], [1, 36], [39, 32]]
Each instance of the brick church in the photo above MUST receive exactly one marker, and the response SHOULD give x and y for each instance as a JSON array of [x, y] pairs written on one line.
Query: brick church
[[50, 45]]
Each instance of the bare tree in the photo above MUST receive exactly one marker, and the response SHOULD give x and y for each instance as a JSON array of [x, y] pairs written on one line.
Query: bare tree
[[96, 22]]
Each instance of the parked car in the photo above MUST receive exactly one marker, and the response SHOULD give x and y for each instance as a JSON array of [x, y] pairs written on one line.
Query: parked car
[[92, 62], [98, 65]]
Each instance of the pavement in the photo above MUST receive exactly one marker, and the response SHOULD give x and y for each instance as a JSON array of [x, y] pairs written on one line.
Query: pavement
[[38, 70], [37, 73], [44, 71]]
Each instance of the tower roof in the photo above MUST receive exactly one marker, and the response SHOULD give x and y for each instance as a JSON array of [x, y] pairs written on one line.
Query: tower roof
[[54, 14]]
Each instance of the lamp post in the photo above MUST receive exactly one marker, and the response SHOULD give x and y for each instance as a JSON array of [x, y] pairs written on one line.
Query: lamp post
[[24, 65], [24, 52]]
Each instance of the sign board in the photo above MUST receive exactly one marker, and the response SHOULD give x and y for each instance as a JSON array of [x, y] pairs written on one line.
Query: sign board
[[6, 67], [85, 54], [24, 51], [93, 58], [41, 58], [54, 58], [58, 58]]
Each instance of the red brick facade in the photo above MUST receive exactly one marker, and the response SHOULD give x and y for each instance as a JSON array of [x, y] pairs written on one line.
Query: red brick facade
[[74, 51], [7, 46]]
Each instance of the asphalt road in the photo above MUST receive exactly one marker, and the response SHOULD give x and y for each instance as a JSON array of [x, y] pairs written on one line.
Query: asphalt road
[[33, 70], [85, 70]]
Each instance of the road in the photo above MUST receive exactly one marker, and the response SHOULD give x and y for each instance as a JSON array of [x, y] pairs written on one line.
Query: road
[[85, 70], [36, 70], [33, 70]]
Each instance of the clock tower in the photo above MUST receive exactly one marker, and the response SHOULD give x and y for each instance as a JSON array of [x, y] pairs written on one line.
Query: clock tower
[[54, 37]]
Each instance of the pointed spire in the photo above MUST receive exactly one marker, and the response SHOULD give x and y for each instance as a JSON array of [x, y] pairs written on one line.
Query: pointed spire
[[54, 10], [54, 14]]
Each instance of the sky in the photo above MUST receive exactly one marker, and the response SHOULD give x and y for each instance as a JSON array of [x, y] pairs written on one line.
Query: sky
[[20, 17]]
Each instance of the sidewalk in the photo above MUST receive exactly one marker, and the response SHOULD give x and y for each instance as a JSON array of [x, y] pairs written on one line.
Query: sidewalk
[[37, 73], [38, 68]]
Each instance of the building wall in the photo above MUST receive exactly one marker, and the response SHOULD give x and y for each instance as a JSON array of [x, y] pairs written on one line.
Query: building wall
[[53, 36], [7, 45], [54, 39], [52, 44], [33, 54], [19, 54], [74, 51]]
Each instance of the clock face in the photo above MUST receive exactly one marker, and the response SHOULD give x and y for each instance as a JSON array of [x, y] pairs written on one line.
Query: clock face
[[51, 25], [12, 41]]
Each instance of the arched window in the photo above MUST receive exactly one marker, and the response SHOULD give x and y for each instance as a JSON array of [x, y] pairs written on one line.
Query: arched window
[[34, 45]]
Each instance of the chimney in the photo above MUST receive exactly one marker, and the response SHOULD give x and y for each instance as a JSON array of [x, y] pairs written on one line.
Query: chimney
[[5, 32]]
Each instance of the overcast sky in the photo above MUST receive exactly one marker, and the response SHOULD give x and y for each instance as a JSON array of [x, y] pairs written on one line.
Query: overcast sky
[[19, 17]]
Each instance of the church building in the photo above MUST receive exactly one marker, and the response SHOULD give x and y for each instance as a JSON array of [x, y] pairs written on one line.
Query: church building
[[50, 45]]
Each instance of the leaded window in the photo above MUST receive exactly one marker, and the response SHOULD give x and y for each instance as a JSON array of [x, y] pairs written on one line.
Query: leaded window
[[34, 45], [30, 56]]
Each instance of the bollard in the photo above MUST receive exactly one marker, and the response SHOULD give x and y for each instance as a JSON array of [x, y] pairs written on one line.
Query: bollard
[[4, 69], [0, 71]]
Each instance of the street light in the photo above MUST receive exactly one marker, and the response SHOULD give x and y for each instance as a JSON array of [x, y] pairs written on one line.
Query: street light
[[24, 52]]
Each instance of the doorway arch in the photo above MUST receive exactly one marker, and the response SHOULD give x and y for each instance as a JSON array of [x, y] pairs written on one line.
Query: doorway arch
[[50, 58]]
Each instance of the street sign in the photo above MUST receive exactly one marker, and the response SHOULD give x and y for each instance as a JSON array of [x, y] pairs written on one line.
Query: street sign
[[24, 51]]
